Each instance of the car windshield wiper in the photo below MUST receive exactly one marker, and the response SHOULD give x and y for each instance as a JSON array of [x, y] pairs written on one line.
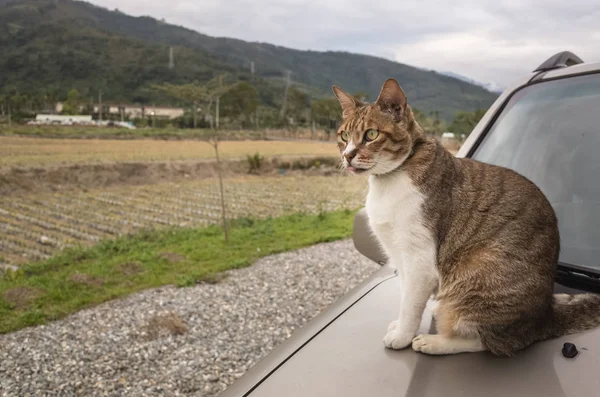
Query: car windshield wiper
[[578, 277]]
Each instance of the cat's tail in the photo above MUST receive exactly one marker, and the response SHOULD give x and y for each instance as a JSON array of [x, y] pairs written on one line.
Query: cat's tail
[[574, 313]]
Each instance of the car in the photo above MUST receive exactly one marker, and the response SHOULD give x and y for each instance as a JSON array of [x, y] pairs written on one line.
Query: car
[[547, 127]]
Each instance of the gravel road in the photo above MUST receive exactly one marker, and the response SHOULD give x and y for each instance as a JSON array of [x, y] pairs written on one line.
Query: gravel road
[[180, 341]]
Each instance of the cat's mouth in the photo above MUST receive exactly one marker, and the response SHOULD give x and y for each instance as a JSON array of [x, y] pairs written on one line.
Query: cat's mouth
[[357, 170]]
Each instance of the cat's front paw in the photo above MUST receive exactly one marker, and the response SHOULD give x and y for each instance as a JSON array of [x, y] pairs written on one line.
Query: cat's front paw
[[397, 338], [393, 325]]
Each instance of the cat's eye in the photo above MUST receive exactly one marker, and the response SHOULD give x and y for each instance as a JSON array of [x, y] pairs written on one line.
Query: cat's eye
[[371, 135], [344, 136]]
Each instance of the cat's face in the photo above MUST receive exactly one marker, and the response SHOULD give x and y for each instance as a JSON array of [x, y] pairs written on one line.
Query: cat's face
[[375, 138]]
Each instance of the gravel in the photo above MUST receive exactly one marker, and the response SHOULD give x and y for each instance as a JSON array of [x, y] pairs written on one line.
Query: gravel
[[180, 341]]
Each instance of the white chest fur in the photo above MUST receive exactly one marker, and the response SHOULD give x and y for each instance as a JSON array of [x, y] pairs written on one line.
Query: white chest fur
[[395, 209]]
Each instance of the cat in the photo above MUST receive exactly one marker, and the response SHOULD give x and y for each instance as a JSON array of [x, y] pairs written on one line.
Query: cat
[[482, 239]]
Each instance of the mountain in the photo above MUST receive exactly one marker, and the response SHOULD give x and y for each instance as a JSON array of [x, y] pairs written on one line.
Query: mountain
[[56, 45], [490, 86]]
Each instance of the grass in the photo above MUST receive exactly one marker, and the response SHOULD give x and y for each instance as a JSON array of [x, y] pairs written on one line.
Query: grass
[[40, 152], [80, 278]]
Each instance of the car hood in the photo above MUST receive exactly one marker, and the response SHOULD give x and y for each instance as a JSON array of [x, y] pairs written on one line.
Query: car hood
[[346, 357]]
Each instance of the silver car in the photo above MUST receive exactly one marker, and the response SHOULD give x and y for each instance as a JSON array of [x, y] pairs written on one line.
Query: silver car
[[546, 127]]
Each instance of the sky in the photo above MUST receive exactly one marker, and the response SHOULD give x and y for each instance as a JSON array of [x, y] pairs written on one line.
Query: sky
[[489, 41]]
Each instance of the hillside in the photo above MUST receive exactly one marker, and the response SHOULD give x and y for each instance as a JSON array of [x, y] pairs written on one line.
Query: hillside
[[53, 46]]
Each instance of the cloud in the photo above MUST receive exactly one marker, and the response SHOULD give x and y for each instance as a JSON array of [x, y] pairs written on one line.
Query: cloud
[[495, 41]]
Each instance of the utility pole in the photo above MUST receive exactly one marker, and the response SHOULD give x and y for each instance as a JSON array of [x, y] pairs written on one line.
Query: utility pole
[[253, 70], [217, 114], [100, 105], [208, 110], [285, 94], [218, 100], [195, 112]]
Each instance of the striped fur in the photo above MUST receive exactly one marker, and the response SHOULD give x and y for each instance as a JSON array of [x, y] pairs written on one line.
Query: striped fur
[[495, 236]]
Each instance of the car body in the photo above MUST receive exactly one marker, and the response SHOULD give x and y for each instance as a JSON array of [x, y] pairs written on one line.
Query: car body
[[340, 352]]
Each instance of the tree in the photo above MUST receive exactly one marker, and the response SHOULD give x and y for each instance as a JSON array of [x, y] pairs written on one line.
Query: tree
[[214, 142], [431, 124], [217, 87], [15, 104], [241, 101], [326, 112], [73, 102], [268, 116], [3, 102], [298, 103], [193, 94], [196, 94], [464, 122]]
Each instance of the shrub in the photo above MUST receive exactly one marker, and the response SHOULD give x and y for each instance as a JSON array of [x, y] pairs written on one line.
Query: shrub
[[255, 162]]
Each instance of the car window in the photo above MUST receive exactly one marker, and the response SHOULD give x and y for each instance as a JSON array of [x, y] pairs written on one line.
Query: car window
[[550, 133]]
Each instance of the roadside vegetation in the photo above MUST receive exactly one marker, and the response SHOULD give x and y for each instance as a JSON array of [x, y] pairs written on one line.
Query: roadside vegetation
[[82, 277]]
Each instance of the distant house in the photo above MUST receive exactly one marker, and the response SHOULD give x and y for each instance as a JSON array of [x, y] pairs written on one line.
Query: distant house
[[62, 119], [134, 111], [57, 119]]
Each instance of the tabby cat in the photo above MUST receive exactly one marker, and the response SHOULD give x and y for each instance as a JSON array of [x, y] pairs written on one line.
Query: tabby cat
[[482, 239]]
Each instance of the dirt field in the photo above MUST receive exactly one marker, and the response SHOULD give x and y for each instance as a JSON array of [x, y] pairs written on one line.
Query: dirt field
[[56, 193], [18, 181], [40, 152], [37, 226]]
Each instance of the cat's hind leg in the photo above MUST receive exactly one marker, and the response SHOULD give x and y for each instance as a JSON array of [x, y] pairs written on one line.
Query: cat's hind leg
[[455, 334]]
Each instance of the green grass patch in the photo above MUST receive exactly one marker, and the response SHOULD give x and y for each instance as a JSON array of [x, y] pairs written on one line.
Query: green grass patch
[[80, 278]]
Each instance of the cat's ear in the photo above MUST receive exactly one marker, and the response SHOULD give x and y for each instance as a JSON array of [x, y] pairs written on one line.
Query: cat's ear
[[348, 103], [392, 99]]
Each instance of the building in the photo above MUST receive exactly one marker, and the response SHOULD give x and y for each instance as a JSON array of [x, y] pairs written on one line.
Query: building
[[134, 111], [62, 119]]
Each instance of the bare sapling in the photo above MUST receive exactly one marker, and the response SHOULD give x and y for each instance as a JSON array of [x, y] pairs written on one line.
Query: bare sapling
[[214, 142]]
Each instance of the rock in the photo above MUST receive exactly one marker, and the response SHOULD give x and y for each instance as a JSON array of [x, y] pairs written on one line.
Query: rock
[[231, 325]]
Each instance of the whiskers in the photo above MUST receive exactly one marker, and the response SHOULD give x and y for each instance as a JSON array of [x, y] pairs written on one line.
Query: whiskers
[[341, 167]]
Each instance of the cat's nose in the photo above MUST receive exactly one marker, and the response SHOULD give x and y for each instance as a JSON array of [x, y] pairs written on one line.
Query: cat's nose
[[350, 155]]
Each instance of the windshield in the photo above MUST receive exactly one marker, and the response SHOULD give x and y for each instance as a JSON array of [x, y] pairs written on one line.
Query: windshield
[[550, 133]]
